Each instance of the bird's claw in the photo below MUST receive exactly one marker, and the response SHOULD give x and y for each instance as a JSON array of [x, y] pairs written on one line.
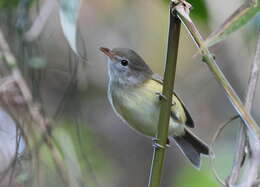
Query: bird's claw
[[161, 96], [159, 146]]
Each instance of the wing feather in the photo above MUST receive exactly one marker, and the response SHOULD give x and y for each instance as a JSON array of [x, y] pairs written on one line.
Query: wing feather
[[189, 121]]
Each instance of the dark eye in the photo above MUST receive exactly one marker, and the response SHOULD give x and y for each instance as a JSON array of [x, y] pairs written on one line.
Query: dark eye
[[124, 62]]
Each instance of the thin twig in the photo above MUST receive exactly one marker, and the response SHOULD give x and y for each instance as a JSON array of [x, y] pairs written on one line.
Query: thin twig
[[209, 59], [254, 144], [169, 76], [18, 142], [13, 162], [238, 158], [240, 151], [213, 141]]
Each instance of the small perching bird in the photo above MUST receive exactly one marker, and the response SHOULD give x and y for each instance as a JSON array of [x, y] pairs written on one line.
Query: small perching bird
[[134, 93]]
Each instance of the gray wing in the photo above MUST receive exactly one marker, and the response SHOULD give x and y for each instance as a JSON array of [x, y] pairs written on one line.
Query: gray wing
[[189, 121]]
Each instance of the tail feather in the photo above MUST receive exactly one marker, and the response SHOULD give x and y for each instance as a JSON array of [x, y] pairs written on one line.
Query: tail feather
[[192, 147]]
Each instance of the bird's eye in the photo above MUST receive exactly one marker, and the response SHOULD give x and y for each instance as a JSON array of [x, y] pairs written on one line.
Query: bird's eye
[[124, 62]]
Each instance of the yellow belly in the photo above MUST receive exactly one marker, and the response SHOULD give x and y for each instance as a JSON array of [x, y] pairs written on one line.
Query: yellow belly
[[140, 108]]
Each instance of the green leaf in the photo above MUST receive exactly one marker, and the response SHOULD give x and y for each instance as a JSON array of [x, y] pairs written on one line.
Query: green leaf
[[199, 9], [8, 3], [238, 19], [68, 16]]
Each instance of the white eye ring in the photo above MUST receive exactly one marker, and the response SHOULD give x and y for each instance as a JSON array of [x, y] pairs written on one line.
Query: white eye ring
[[124, 62]]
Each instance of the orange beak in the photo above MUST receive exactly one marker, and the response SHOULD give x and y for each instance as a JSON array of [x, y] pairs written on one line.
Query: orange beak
[[107, 52]]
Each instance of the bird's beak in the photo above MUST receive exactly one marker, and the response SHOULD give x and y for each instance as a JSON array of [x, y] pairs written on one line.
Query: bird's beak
[[107, 52]]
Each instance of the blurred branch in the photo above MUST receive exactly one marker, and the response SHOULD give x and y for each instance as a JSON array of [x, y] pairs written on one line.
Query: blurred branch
[[12, 165], [252, 171], [240, 151], [26, 111], [169, 75], [22, 85], [213, 141], [209, 59], [18, 142], [40, 21], [239, 157]]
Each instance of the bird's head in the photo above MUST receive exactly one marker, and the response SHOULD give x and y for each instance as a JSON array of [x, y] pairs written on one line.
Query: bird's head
[[126, 66]]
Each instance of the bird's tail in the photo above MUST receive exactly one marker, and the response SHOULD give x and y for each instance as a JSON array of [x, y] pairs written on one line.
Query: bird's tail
[[192, 147]]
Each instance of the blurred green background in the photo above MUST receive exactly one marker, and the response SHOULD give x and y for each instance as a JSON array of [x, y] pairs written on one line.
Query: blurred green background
[[97, 148]]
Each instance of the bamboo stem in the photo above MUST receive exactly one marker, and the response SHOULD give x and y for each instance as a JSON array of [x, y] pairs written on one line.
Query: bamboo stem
[[169, 75]]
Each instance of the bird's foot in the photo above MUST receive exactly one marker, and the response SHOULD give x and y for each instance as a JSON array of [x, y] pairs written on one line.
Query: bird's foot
[[159, 146], [161, 96]]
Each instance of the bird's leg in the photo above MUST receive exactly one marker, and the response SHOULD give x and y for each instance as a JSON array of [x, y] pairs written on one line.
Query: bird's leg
[[157, 145], [161, 96]]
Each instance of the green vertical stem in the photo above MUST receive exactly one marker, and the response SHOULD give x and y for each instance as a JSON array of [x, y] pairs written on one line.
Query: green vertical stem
[[169, 75]]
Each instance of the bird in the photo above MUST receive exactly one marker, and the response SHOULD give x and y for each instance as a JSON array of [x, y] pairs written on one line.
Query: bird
[[134, 93]]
